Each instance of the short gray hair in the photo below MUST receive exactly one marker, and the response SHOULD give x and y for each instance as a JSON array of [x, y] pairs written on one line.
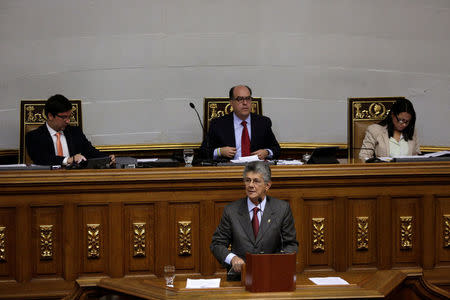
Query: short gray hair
[[259, 167]]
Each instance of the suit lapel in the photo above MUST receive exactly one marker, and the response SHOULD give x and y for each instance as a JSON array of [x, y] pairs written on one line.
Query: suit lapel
[[51, 148], [69, 140], [231, 137], [244, 219], [267, 220]]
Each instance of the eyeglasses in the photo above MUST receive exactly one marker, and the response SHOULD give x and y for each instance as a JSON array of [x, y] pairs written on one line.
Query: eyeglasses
[[242, 99], [247, 181], [63, 117], [402, 121]]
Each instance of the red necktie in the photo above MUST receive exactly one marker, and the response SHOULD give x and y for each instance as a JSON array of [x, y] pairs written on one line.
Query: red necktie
[[58, 144], [245, 141], [255, 222]]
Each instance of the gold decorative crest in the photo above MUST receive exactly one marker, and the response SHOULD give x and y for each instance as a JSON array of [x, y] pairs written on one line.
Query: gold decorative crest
[[446, 232], [139, 239], [362, 233], [184, 238], [2, 243], [93, 240], [370, 110], [318, 234], [35, 113], [46, 235], [406, 232]]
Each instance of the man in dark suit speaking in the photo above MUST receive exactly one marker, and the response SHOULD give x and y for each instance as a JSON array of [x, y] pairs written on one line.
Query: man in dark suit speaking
[[56, 142], [255, 224], [240, 133]]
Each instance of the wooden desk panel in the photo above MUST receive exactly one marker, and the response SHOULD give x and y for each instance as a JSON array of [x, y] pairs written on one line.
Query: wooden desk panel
[[113, 223]]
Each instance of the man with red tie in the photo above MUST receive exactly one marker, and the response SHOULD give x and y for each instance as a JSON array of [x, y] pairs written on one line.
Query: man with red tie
[[255, 224], [56, 142], [240, 133]]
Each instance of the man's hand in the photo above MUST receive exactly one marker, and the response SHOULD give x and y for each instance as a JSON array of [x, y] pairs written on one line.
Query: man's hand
[[237, 263], [262, 153], [113, 159], [227, 152], [76, 159]]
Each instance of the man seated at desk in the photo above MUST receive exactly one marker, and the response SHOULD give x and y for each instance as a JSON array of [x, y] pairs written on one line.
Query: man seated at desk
[[56, 142], [255, 224], [240, 133]]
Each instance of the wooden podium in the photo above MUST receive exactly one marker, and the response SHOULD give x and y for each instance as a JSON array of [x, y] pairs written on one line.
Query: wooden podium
[[269, 272]]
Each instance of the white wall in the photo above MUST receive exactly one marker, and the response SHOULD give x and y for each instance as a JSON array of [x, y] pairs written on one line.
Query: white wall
[[136, 64]]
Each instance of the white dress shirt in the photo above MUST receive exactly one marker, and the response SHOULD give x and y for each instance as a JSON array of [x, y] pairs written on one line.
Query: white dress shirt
[[63, 140]]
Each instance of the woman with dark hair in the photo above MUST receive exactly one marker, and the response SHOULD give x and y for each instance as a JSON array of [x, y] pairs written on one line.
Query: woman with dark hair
[[394, 136]]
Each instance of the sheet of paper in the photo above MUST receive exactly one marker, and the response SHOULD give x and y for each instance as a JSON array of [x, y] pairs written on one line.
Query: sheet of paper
[[385, 158], [202, 283], [144, 160], [245, 159], [437, 154], [294, 162], [328, 280], [13, 166]]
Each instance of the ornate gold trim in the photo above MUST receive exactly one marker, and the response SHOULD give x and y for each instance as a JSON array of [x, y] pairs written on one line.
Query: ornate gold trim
[[446, 231], [93, 240], [2, 243], [184, 238], [362, 233], [46, 237], [406, 232], [139, 239], [318, 234]]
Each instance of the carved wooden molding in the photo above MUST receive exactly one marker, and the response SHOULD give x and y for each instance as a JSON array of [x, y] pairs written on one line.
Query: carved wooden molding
[[93, 240], [406, 232], [318, 234], [46, 241], [446, 231], [184, 238], [362, 233], [139, 239], [2, 243]]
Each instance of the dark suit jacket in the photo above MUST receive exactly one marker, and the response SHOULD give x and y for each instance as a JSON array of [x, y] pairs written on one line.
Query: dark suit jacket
[[276, 230], [221, 134], [41, 149]]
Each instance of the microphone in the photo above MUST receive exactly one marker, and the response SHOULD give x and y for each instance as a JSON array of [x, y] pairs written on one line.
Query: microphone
[[198, 116]]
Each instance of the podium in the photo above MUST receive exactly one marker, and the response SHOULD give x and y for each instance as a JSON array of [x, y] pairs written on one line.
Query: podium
[[269, 272]]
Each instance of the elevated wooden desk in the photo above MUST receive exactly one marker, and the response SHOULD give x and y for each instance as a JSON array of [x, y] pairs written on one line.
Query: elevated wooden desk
[[59, 226]]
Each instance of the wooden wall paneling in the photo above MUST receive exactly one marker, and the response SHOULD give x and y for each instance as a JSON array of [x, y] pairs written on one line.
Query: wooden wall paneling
[[163, 254], [139, 230], [71, 243], [207, 228], [406, 207], [318, 209], [184, 236], [341, 228], [7, 243], [93, 215], [363, 232], [46, 250], [385, 230], [429, 229], [23, 242], [443, 230], [116, 245]]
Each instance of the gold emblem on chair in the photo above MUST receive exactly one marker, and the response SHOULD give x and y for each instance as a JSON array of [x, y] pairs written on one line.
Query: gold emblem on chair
[[2, 244], [406, 232], [93, 240], [184, 238], [370, 111], [318, 234], [362, 233], [446, 231], [46, 234], [139, 239]]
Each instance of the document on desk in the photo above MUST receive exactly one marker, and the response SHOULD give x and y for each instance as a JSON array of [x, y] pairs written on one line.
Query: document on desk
[[203, 283], [245, 159], [144, 160], [328, 281]]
